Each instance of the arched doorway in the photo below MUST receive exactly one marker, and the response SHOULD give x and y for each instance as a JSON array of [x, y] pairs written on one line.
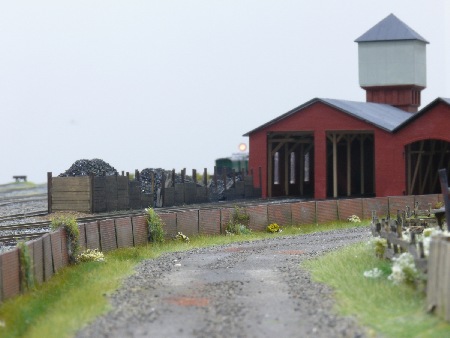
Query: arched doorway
[[423, 160]]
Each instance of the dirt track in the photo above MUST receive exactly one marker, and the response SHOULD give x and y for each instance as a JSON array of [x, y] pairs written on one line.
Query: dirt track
[[251, 289]]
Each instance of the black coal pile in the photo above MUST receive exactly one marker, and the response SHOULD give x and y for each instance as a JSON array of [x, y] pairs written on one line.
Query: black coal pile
[[217, 194], [94, 167], [145, 177]]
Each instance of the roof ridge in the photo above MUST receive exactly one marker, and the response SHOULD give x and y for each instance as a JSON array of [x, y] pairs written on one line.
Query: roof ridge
[[380, 115]]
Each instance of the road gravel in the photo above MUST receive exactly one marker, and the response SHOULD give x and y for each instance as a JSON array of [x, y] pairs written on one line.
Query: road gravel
[[248, 289]]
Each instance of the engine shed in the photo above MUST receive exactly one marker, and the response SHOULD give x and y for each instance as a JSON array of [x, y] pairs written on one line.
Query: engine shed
[[330, 148]]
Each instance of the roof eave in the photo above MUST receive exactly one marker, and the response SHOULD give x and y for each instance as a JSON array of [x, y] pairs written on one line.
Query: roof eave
[[309, 103], [283, 116], [421, 112]]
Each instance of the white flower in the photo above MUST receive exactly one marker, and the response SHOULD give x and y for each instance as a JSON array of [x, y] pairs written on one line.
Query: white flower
[[374, 273], [353, 219], [403, 269]]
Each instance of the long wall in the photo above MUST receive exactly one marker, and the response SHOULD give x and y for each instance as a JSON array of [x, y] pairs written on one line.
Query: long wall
[[95, 194], [49, 253]]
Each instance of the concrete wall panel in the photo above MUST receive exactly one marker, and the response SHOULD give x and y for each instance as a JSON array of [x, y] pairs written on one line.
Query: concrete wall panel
[[124, 231], [424, 200], [38, 261], [379, 205], [400, 203], [140, 230], [259, 219], [187, 222], [303, 213], [10, 273], [64, 248], [349, 207], [55, 238], [92, 235], [225, 217], [209, 221], [107, 235], [48, 258], [170, 223], [82, 239], [280, 214], [326, 211]]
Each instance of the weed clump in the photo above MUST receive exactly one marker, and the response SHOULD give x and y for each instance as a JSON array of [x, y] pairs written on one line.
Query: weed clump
[[155, 226], [181, 237], [273, 227], [70, 225], [238, 223], [90, 255], [26, 267]]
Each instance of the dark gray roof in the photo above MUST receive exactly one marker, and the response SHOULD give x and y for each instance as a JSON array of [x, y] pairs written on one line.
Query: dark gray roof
[[446, 100], [383, 116], [388, 29]]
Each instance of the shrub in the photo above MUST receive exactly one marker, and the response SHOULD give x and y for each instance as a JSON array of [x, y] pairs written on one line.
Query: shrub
[[379, 245], [69, 223], [155, 226]]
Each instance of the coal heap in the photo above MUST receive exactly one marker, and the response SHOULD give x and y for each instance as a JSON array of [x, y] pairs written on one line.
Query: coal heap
[[145, 177], [96, 167], [218, 194]]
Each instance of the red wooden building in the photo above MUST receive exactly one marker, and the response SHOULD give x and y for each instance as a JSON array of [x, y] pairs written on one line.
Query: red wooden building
[[329, 148]]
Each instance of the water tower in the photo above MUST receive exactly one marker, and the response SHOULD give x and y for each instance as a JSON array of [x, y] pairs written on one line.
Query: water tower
[[392, 64]]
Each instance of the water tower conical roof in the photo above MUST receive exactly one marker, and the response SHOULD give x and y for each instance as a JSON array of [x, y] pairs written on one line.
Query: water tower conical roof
[[389, 29]]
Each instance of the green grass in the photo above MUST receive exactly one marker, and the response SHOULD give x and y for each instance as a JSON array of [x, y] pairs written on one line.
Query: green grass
[[392, 310], [13, 186], [76, 294]]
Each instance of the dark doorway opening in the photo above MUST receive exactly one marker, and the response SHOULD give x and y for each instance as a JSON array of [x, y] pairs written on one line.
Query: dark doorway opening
[[423, 160], [290, 164], [350, 164]]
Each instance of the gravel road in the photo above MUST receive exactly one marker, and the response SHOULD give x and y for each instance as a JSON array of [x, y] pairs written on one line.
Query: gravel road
[[250, 289]]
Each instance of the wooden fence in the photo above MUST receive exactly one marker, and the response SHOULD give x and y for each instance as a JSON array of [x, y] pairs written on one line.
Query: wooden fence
[[94, 194]]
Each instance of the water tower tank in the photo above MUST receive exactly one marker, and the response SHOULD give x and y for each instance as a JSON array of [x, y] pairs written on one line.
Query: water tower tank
[[392, 64]]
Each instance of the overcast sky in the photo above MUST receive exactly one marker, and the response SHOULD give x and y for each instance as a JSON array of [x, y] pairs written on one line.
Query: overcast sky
[[175, 84]]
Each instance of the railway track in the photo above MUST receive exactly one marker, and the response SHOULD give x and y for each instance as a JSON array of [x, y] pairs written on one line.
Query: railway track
[[26, 231], [22, 199], [11, 240], [22, 215]]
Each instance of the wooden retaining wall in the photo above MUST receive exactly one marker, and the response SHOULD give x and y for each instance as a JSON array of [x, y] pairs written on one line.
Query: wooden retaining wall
[[71, 193], [95, 194], [49, 253]]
